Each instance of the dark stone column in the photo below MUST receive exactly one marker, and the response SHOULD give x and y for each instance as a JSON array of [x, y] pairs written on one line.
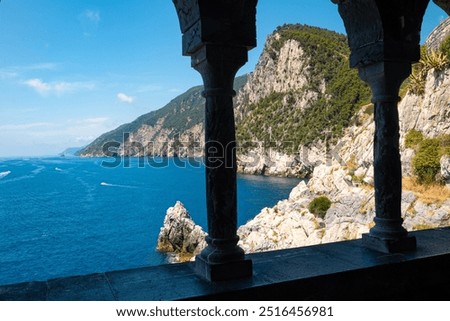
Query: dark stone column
[[222, 259], [384, 40], [217, 35], [388, 235]]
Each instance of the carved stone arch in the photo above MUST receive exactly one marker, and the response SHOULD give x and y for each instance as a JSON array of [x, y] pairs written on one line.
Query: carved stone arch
[[381, 30], [364, 29]]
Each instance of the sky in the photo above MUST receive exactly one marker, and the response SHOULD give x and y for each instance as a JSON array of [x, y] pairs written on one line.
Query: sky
[[72, 70]]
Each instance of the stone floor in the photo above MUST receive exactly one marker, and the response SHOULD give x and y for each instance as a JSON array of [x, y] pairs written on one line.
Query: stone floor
[[335, 271]]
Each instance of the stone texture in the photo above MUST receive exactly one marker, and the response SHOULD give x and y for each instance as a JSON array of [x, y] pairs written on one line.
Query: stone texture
[[180, 236], [429, 113], [445, 168], [273, 163], [289, 223], [282, 71], [438, 35]]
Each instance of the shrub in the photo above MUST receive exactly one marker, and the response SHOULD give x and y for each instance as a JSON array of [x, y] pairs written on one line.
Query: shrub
[[445, 47], [369, 109], [413, 138], [437, 60], [417, 80], [319, 206], [426, 163]]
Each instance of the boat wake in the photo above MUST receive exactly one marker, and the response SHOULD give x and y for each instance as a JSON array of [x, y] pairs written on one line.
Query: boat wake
[[4, 174], [116, 185]]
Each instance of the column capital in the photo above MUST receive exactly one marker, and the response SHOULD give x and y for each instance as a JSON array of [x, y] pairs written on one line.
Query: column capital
[[225, 22], [382, 30], [218, 55], [385, 79], [218, 65]]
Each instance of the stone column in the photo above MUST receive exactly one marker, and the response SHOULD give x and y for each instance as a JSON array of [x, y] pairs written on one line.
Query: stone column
[[217, 35], [222, 259], [388, 234], [384, 40]]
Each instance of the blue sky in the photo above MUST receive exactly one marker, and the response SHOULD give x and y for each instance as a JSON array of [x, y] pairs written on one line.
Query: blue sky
[[72, 70]]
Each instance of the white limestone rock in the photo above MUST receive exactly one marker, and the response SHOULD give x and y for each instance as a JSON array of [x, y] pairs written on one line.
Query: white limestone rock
[[369, 178], [180, 236], [275, 229], [290, 224], [445, 168], [273, 163], [299, 191]]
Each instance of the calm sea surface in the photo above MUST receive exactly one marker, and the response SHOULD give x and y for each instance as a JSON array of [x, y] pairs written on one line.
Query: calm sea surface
[[72, 216]]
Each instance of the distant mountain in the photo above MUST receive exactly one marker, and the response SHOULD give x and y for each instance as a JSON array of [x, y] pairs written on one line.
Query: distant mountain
[[71, 151], [302, 93], [175, 129]]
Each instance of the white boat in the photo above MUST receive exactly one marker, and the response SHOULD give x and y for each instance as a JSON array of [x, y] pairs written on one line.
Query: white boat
[[4, 174]]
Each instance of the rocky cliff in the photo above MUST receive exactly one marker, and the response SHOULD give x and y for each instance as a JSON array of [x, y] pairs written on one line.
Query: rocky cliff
[[180, 237], [337, 202], [347, 181], [174, 130], [301, 95]]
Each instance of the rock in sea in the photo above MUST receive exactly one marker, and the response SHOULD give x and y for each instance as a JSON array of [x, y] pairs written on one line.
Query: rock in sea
[[180, 237]]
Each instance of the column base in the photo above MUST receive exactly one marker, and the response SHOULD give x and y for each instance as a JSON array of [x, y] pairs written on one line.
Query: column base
[[214, 272], [403, 244]]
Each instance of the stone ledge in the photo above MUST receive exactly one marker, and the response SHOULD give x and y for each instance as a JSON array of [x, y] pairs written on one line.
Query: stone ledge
[[334, 271]]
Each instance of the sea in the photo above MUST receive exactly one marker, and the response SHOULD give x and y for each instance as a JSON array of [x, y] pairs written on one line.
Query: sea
[[65, 216]]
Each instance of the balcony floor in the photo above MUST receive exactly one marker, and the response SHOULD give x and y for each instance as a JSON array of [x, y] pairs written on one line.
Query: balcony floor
[[332, 272]]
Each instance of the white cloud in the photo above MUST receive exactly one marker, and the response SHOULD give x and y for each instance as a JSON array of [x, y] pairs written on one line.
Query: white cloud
[[125, 98], [93, 121], [90, 20], [41, 66], [18, 71], [13, 127], [92, 15], [5, 74], [58, 88], [38, 85], [44, 138]]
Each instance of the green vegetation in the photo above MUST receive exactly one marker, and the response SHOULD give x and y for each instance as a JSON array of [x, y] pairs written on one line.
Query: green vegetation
[[413, 138], [179, 115], [369, 109], [445, 47], [429, 60], [277, 119], [422, 226], [335, 92], [426, 162], [322, 46], [319, 206]]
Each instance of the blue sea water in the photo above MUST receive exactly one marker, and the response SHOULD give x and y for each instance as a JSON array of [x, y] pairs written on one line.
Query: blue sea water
[[73, 216]]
